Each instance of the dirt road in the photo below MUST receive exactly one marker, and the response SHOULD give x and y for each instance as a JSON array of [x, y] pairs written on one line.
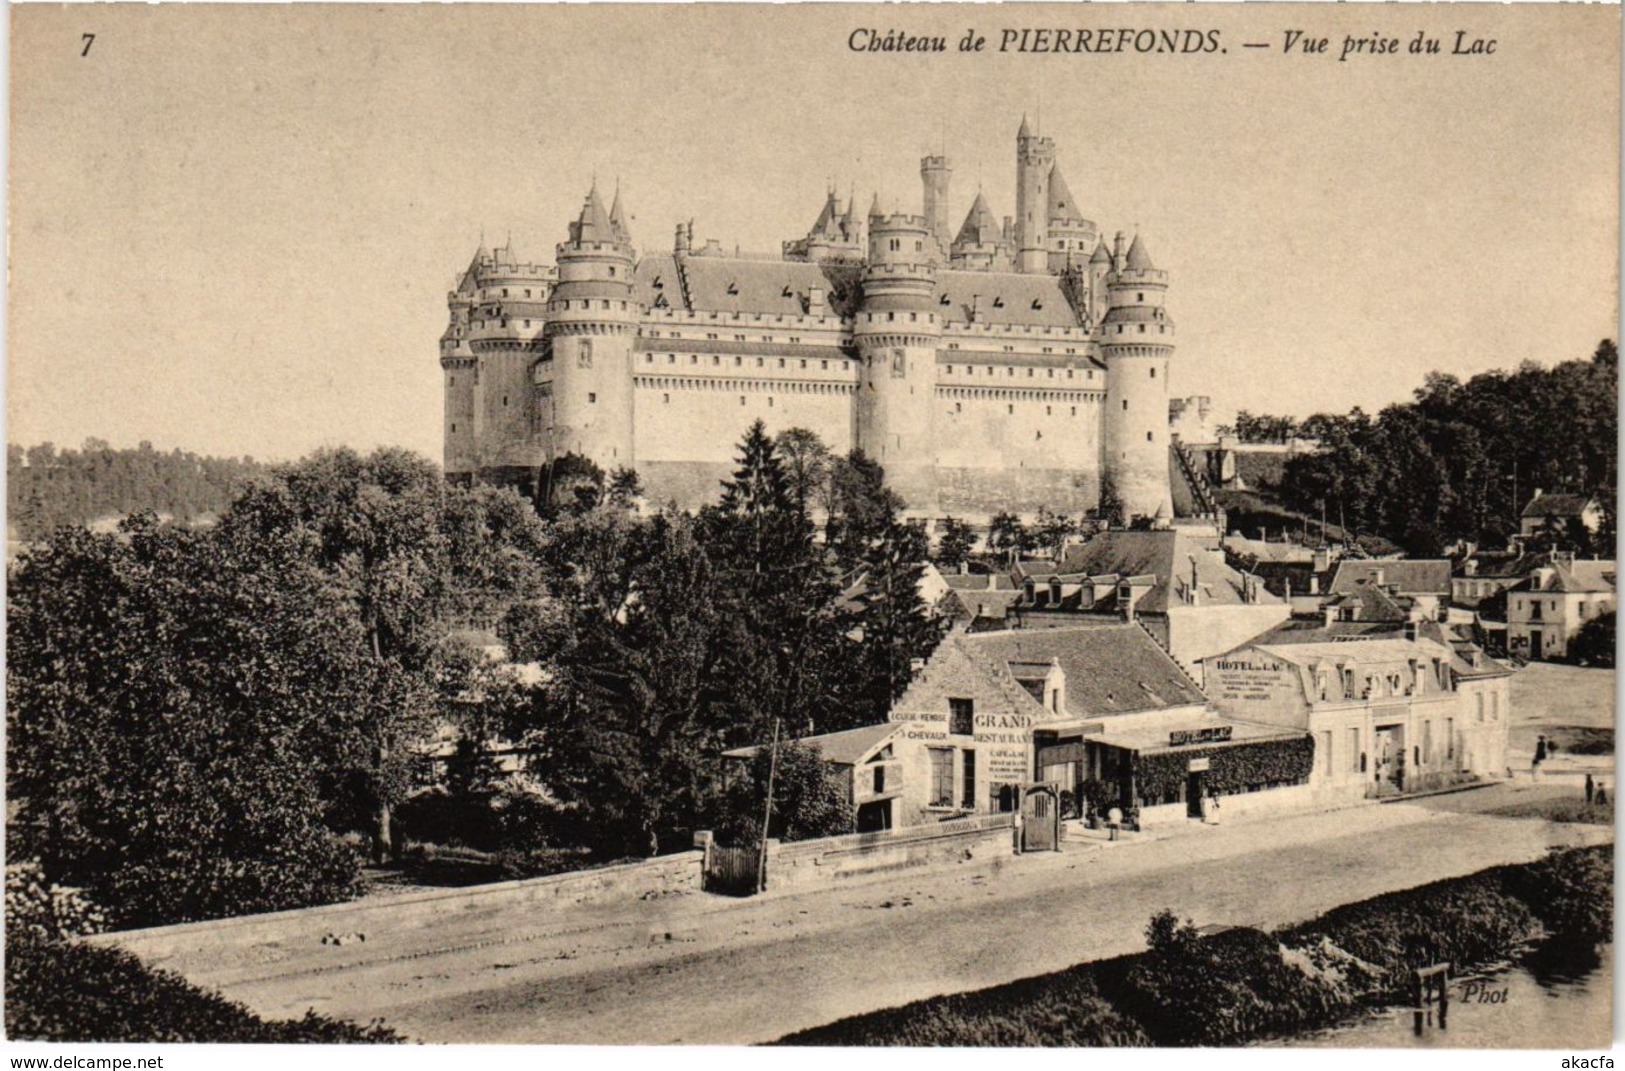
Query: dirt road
[[700, 969]]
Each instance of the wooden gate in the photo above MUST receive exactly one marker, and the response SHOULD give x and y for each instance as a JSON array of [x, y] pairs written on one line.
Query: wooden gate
[[732, 871], [1040, 819]]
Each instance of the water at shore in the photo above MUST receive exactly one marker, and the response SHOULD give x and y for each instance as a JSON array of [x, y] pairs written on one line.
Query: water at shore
[[1555, 997]]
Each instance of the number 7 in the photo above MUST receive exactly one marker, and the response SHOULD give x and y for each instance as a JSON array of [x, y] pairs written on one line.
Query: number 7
[[89, 39]]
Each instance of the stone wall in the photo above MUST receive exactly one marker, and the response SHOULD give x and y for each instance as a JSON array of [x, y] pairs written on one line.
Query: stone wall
[[835, 859], [664, 875]]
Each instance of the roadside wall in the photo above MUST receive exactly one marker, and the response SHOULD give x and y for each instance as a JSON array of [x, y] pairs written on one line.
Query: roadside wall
[[833, 859], [627, 881]]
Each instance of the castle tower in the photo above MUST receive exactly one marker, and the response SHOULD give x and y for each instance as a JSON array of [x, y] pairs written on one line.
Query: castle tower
[[459, 367], [897, 331], [1035, 158], [585, 387], [935, 173], [1137, 343], [1100, 266]]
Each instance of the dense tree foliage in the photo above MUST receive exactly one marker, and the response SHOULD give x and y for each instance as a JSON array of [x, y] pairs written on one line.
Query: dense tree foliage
[[47, 488], [808, 798], [1463, 459], [956, 544]]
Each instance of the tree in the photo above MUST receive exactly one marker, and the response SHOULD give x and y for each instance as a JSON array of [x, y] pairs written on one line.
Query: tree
[[809, 799], [897, 628], [625, 487], [174, 698], [807, 465], [1593, 645], [864, 506], [956, 543], [1007, 535], [1113, 512], [399, 547], [1052, 532]]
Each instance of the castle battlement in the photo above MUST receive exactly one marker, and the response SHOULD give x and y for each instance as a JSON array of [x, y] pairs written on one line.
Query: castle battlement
[[985, 369]]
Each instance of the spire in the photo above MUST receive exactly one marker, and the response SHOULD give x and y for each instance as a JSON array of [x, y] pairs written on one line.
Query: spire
[[980, 227], [593, 226], [874, 208], [617, 219], [1102, 254], [852, 215], [827, 217], [1138, 259], [1025, 132], [1061, 204]]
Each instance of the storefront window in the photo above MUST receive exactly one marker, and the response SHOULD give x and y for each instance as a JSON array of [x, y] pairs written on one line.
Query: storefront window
[[967, 791]]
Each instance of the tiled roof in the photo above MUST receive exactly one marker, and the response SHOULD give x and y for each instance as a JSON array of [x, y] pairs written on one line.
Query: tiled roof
[[1371, 603], [1110, 669], [848, 747], [1575, 578], [1430, 575], [1003, 298], [1557, 505], [1165, 556]]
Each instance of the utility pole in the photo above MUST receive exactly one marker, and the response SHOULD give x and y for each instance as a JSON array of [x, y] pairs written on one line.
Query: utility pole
[[767, 808]]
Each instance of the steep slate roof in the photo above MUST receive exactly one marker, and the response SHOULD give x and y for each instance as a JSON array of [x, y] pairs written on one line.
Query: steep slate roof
[[1003, 298], [1372, 604], [1061, 205], [732, 284], [1579, 577], [1138, 259], [1102, 255], [1315, 630], [1110, 669], [980, 228], [1557, 505], [593, 226], [617, 219], [848, 748], [1407, 576]]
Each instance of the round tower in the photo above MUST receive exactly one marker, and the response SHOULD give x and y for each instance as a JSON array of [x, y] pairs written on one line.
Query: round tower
[[896, 330], [1137, 341], [1035, 158], [935, 173], [584, 383], [459, 367]]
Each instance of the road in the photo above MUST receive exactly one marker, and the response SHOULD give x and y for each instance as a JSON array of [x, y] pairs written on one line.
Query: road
[[702, 969]]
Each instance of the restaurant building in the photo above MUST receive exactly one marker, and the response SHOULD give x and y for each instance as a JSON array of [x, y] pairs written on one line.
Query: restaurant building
[[1100, 714]]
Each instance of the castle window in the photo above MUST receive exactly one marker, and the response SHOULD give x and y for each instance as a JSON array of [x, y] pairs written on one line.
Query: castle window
[[1090, 374], [693, 358], [758, 362], [781, 362], [592, 399], [611, 274], [1150, 437], [1142, 328], [1125, 405], [1139, 297], [824, 365], [738, 361], [671, 358], [770, 401], [527, 293], [741, 399], [950, 370], [451, 381], [676, 334], [1052, 373], [793, 341], [1038, 435], [804, 362], [648, 358], [1048, 411], [1074, 410], [739, 338], [666, 398], [896, 245], [1049, 349], [606, 303], [959, 407], [504, 401], [890, 316], [716, 360], [1070, 349], [504, 291], [913, 317], [1153, 373], [454, 427], [1010, 409], [711, 337], [1030, 372]]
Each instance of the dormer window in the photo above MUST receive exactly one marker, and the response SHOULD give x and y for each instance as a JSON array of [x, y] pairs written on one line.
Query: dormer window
[[659, 283], [733, 288], [998, 303], [944, 300], [1037, 304]]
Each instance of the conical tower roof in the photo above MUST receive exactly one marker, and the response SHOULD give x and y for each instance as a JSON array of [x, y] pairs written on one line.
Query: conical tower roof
[[1061, 204], [617, 219], [828, 215], [980, 227], [594, 225], [1025, 131], [1138, 259], [1102, 254]]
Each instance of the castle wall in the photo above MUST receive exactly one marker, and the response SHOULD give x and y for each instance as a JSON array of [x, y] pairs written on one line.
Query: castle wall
[[459, 419], [509, 419]]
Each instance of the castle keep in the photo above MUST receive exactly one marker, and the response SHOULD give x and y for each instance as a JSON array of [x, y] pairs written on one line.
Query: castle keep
[[1007, 366]]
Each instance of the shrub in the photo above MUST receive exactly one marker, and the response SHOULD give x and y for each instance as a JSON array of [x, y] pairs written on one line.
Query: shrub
[[50, 912], [65, 991], [1572, 892]]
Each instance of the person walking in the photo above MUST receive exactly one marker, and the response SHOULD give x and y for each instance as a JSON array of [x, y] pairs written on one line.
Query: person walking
[[1591, 789], [1540, 757]]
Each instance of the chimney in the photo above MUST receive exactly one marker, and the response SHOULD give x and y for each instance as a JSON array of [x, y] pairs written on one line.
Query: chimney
[[1323, 559], [1470, 566], [1329, 612], [993, 581], [1194, 589], [1376, 577], [1314, 583], [815, 301], [1117, 250], [685, 237]]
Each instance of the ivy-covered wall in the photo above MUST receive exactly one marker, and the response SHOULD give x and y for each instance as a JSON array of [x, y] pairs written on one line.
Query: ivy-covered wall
[[1231, 767]]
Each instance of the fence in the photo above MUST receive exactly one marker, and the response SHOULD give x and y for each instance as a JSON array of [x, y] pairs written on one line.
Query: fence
[[830, 859]]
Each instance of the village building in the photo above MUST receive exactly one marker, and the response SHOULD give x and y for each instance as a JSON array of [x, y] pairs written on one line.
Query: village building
[[1423, 579], [864, 763], [1100, 712], [1175, 582], [1386, 715], [1547, 608], [1548, 511]]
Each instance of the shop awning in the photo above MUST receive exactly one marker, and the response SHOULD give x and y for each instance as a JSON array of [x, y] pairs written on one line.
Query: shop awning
[[1196, 733]]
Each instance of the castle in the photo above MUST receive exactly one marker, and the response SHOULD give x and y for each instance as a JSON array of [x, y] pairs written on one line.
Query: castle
[[1005, 367]]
